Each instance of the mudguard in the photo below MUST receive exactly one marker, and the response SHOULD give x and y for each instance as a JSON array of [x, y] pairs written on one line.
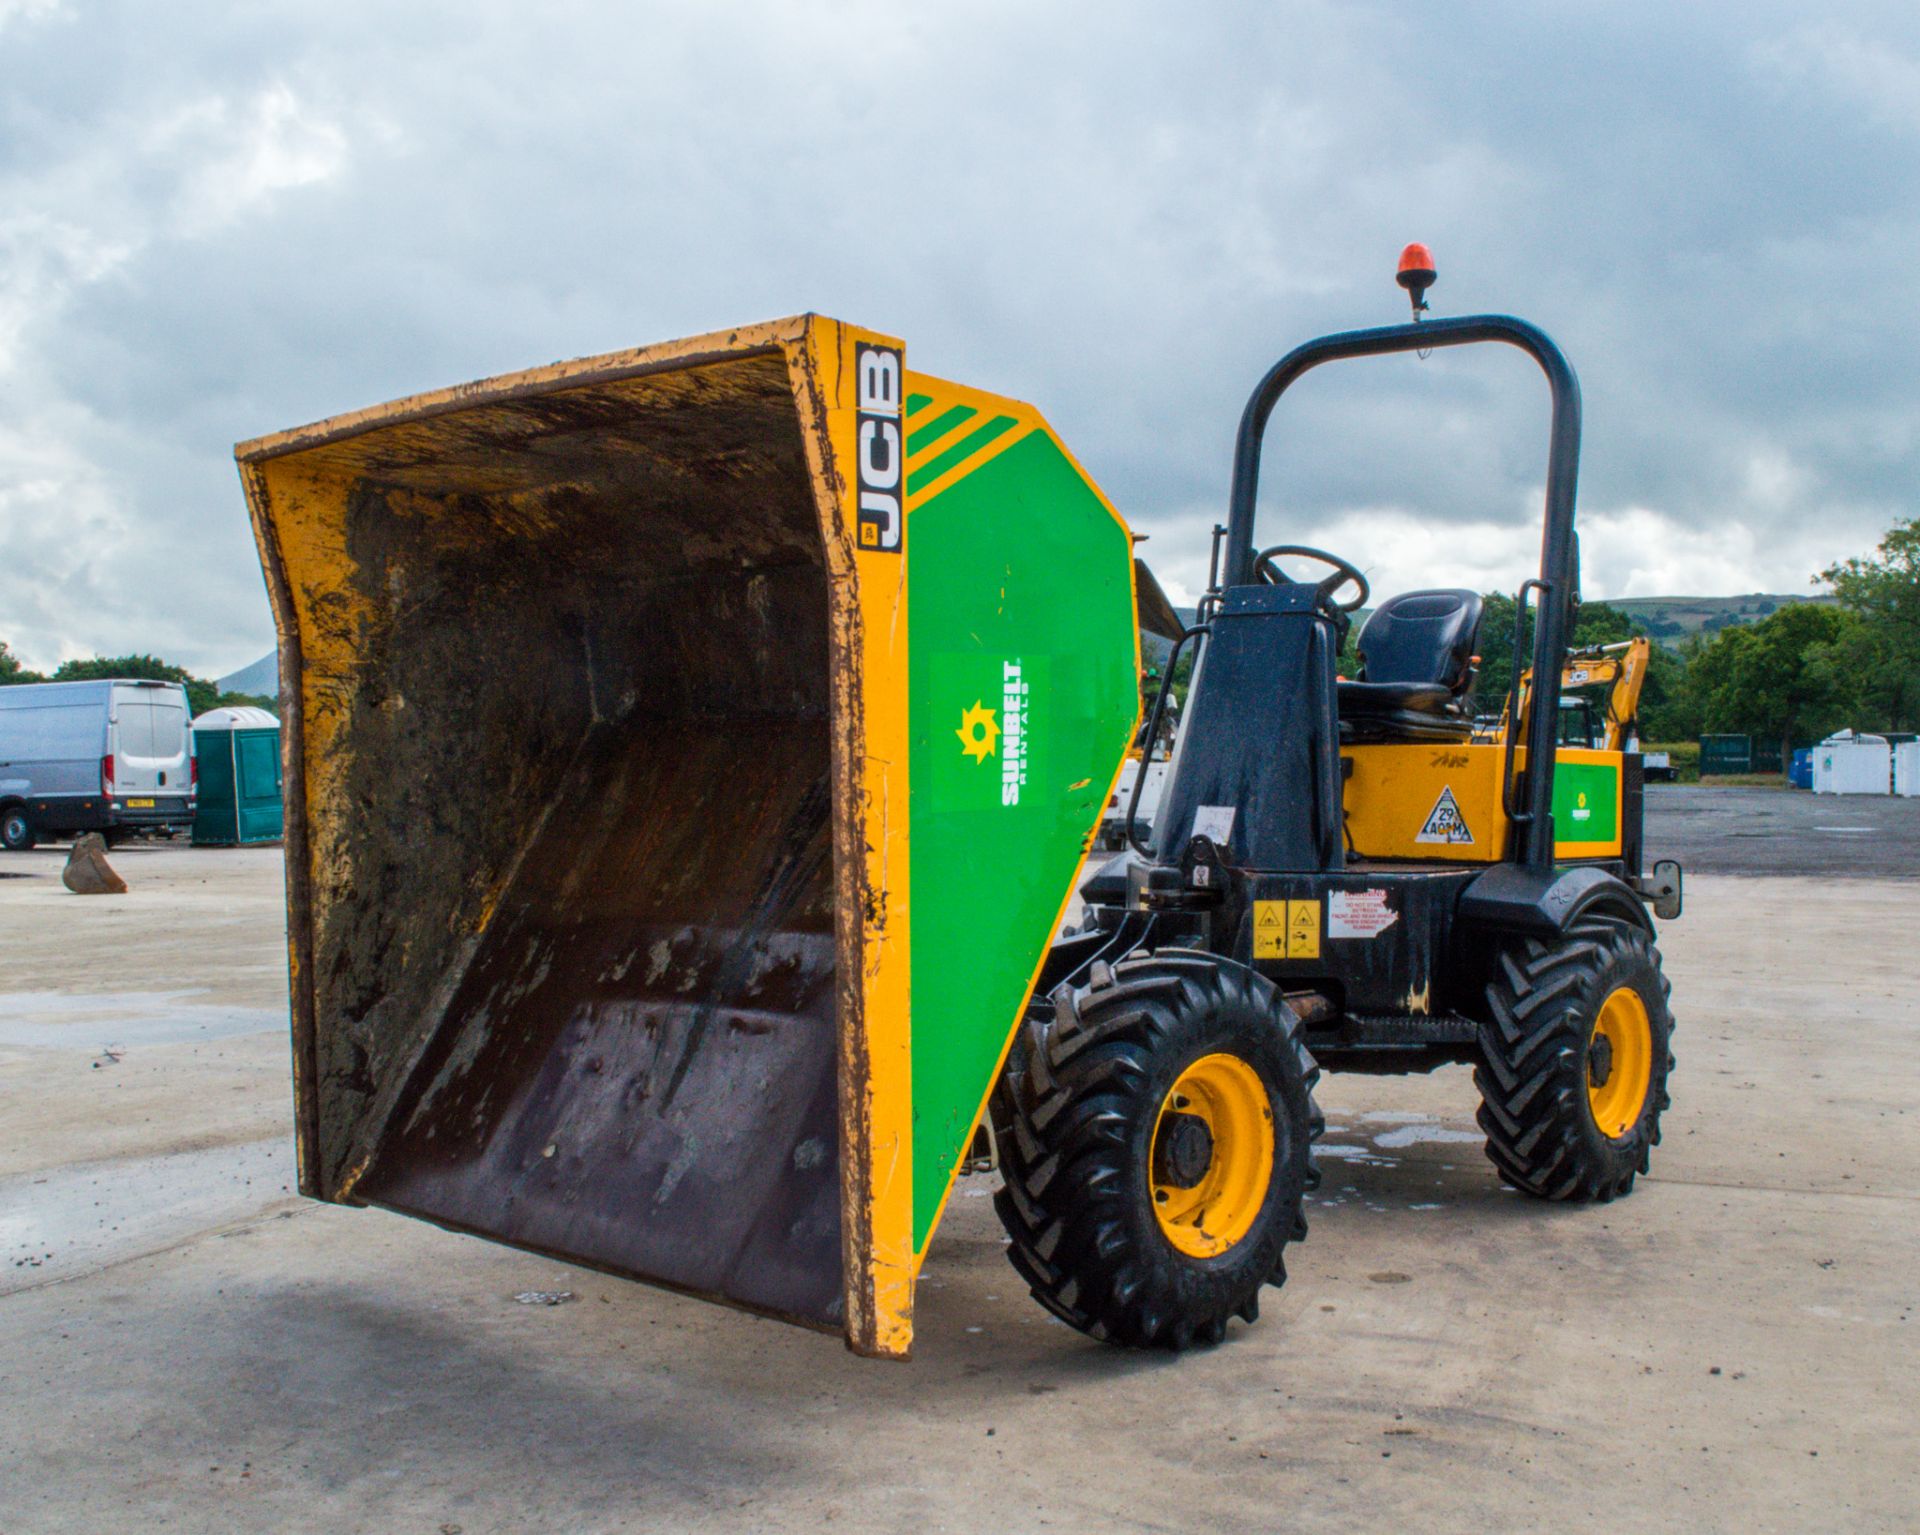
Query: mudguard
[[1512, 898]]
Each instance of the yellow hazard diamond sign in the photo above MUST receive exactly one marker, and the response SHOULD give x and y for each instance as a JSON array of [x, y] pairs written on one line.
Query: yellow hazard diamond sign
[[1286, 929]]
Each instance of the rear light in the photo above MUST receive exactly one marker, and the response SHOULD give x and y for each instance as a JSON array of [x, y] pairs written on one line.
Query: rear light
[[106, 775], [193, 773]]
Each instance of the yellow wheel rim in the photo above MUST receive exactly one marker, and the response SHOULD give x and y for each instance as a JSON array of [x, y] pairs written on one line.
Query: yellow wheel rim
[[1619, 1062], [1207, 1216]]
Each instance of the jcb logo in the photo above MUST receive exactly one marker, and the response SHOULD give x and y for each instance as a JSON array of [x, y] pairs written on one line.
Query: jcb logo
[[877, 446]]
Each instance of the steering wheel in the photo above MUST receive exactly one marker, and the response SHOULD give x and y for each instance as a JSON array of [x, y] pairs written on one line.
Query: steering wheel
[[1266, 570]]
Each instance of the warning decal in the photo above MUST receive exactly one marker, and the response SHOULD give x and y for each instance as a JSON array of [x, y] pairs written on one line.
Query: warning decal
[[1444, 822], [1286, 929], [1303, 930], [1359, 914]]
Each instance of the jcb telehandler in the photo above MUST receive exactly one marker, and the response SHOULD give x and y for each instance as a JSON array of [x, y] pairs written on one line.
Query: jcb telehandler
[[1620, 668], [690, 761]]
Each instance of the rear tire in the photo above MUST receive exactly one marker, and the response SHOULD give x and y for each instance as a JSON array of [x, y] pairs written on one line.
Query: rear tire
[[1155, 1138], [1574, 1062], [16, 829]]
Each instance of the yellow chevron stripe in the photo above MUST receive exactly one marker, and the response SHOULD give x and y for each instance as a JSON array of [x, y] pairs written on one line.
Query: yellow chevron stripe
[[986, 407]]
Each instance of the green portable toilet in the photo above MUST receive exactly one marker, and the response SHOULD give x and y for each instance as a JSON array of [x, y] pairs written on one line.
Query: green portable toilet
[[238, 751]]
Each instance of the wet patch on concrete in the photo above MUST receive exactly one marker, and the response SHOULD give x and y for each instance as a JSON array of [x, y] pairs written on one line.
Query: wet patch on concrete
[[57, 1020], [55, 1225]]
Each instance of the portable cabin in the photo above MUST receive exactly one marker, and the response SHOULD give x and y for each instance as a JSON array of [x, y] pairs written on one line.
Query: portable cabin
[[1850, 763], [1906, 769], [239, 753]]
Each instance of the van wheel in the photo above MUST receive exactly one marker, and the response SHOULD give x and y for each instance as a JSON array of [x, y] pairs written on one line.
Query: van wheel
[[16, 831]]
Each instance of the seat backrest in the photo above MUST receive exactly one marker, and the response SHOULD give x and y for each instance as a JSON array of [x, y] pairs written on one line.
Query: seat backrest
[[1424, 637]]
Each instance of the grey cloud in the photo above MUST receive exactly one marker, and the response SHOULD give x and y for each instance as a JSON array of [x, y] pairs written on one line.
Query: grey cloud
[[217, 222]]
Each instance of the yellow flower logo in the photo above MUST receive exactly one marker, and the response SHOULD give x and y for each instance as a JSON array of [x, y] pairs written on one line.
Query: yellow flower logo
[[978, 732]]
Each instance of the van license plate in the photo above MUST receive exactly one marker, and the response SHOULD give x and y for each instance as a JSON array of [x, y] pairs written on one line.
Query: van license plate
[[139, 804]]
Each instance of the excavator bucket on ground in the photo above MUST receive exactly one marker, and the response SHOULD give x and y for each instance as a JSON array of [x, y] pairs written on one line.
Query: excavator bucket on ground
[[689, 755]]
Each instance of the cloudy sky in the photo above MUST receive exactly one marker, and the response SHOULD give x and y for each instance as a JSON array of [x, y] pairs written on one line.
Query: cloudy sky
[[220, 220]]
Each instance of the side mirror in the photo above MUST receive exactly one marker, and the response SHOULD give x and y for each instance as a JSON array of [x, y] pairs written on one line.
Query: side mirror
[[1662, 889]]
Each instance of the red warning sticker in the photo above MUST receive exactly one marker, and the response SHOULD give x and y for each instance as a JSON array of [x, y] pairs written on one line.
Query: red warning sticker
[[1359, 914]]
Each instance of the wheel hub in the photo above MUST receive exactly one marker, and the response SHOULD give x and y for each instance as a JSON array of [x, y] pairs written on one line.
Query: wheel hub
[[1619, 1063], [1599, 1060], [1183, 1152], [1212, 1156]]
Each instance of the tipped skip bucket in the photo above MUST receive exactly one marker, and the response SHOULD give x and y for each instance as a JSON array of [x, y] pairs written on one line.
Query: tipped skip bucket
[[689, 752]]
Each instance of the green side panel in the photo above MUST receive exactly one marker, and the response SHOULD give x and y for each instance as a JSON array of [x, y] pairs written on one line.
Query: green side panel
[[1586, 802], [1022, 698]]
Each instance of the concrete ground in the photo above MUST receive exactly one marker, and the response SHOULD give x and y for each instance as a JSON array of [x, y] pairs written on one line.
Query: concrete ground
[[1723, 829], [185, 1345]]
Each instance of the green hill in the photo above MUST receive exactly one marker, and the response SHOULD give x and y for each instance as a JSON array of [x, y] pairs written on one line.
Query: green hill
[[1672, 619]]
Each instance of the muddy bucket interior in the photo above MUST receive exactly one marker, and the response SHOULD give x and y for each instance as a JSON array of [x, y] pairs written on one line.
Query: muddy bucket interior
[[590, 881]]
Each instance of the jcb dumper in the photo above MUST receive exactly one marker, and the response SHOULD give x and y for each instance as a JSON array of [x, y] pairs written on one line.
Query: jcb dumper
[[689, 753]]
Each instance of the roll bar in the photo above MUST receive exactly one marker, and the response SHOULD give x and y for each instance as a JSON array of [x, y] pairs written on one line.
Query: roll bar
[[1559, 555]]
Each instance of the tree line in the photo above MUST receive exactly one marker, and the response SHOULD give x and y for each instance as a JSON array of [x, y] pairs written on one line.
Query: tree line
[[202, 695], [1791, 677]]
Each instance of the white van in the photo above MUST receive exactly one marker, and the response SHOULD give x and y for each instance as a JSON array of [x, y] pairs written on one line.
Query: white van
[[113, 756]]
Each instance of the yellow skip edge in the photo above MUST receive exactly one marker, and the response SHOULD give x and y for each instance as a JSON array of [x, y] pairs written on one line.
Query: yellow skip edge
[[869, 643]]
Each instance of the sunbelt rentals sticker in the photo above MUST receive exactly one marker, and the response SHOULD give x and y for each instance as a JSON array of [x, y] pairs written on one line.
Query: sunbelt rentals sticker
[[994, 729]]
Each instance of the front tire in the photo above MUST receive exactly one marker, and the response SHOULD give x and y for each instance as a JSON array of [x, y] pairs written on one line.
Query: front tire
[[16, 829], [1574, 1062], [1155, 1141]]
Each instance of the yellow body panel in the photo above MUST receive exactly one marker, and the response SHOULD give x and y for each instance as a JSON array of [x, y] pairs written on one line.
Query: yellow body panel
[[1397, 796], [1441, 802]]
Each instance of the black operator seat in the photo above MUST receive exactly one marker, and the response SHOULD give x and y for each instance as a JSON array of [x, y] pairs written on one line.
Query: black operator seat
[[1416, 655]]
